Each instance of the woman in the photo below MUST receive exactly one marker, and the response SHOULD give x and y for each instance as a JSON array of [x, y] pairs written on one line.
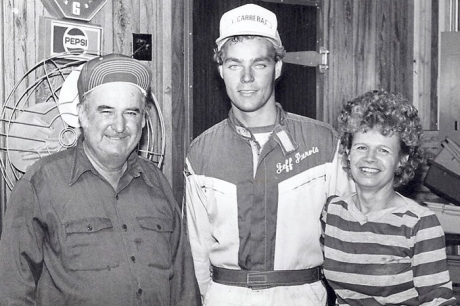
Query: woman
[[380, 247]]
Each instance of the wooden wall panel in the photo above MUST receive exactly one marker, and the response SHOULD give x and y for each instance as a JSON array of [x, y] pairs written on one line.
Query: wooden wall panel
[[125, 22], [371, 45], [179, 144], [365, 42], [164, 44], [425, 61], [105, 19], [338, 39], [2, 91], [20, 35]]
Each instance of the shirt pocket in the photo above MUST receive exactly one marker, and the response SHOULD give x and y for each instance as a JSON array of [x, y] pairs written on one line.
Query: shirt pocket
[[155, 245], [90, 244], [298, 229], [222, 209], [304, 192]]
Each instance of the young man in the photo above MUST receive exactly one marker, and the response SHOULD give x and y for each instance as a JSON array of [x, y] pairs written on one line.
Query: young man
[[257, 181], [97, 224]]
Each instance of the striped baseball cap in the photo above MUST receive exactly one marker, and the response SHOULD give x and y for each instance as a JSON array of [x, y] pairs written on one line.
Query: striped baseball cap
[[113, 68]]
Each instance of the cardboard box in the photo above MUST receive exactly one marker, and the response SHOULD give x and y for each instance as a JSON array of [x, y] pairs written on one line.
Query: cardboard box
[[448, 215], [443, 175]]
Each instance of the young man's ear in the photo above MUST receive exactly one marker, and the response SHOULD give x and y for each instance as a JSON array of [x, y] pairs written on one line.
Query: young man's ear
[[278, 69], [220, 71]]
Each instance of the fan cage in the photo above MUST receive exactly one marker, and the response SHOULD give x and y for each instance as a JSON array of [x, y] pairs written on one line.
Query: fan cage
[[42, 84]]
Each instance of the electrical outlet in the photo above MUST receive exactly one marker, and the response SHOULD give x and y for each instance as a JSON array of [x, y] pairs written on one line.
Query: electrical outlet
[[142, 47]]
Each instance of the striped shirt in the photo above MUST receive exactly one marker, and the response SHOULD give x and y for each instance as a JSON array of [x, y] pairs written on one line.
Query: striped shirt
[[395, 256]]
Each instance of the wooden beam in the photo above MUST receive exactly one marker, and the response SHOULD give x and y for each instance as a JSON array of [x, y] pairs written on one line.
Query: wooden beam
[[422, 61]]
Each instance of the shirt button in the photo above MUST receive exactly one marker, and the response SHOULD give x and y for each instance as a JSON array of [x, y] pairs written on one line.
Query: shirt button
[[159, 226], [124, 226], [90, 228], [133, 259], [139, 291]]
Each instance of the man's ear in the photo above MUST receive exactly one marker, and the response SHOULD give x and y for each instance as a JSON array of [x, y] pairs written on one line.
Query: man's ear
[[278, 68], [81, 113], [79, 109], [144, 118], [220, 71]]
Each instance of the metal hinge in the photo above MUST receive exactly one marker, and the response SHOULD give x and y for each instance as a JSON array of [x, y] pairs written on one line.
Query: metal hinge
[[309, 58]]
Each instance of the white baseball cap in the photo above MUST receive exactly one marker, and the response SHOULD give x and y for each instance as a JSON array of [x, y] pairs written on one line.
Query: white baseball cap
[[248, 19]]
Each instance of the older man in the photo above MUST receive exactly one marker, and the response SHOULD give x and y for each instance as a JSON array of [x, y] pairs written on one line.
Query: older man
[[97, 224]]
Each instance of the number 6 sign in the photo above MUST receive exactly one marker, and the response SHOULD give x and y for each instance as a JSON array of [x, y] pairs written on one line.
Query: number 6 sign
[[80, 10]]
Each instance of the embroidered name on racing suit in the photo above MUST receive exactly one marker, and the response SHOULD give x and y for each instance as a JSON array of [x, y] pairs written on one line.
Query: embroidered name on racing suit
[[288, 163]]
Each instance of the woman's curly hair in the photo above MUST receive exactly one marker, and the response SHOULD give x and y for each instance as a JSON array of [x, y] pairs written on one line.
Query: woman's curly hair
[[390, 113]]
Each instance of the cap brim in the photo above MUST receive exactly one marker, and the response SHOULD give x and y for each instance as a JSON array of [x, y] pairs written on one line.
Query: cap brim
[[142, 90], [222, 40]]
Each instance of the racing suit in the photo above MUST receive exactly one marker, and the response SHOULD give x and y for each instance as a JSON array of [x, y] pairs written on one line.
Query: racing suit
[[258, 208]]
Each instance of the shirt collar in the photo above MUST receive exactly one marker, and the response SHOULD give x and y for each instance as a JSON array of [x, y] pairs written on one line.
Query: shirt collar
[[281, 131], [82, 164]]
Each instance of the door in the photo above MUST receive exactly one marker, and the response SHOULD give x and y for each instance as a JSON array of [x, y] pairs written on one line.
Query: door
[[449, 88], [296, 89]]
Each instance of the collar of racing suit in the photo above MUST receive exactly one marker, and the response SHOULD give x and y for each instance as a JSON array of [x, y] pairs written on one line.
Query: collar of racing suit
[[281, 131]]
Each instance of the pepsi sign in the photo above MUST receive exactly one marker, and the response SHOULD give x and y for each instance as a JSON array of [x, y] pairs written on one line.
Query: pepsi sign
[[71, 37], [75, 40]]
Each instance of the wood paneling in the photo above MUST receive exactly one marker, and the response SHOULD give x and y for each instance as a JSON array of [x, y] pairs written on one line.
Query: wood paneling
[[423, 59], [179, 143], [296, 89], [371, 47], [20, 35]]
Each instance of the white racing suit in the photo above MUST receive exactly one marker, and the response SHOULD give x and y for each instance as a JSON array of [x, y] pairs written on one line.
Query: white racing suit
[[259, 210]]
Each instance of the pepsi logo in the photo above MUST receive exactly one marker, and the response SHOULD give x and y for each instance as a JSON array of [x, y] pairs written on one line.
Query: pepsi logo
[[75, 41]]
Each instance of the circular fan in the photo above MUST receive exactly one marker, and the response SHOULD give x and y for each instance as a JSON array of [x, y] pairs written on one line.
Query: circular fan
[[39, 117]]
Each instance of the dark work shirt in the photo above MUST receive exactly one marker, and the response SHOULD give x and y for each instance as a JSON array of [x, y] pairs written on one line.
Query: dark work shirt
[[71, 239]]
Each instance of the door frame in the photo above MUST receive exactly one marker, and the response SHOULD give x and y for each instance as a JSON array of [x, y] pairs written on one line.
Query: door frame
[[188, 60]]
